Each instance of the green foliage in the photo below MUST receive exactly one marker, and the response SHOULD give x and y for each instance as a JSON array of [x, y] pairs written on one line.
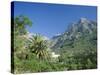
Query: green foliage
[[20, 23], [34, 54], [83, 54], [39, 46]]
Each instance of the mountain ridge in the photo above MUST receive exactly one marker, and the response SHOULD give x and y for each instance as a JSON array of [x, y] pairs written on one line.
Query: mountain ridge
[[77, 30]]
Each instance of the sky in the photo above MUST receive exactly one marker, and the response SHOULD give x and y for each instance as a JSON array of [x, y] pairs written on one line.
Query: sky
[[52, 19]]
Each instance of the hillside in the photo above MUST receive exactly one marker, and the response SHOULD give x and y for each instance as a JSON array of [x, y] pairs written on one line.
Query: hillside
[[77, 46], [74, 49]]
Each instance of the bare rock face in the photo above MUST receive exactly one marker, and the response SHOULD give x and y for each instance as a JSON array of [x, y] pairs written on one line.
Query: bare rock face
[[83, 20]]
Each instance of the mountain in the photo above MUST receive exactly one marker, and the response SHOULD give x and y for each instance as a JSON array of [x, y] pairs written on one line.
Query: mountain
[[83, 30]]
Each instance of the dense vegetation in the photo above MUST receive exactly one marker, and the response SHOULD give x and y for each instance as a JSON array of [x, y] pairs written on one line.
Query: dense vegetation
[[34, 54], [78, 46]]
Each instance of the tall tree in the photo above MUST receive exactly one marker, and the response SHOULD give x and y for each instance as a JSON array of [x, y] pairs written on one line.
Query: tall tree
[[20, 24], [39, 46]]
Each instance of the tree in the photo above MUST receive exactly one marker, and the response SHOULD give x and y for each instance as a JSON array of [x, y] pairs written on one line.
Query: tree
[[39, 46], [20, 23]]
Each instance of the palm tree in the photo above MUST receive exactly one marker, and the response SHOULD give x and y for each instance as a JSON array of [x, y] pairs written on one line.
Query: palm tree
[[39, 46]]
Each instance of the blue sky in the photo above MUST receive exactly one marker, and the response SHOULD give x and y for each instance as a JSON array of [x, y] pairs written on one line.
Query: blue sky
[[51, 19]]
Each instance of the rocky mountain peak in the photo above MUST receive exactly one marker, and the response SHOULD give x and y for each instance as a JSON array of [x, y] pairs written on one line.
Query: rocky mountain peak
[[83, 20], [81, 28]]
